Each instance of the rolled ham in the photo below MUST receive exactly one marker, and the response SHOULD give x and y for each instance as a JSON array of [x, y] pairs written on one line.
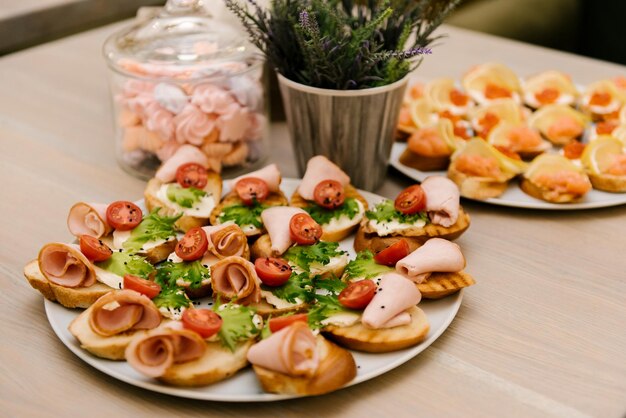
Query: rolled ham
[[121, 311], [442, 200], [234, 278], [185, 154], [276, 221], [88, 219], [292, 351], [65, 265], [394, 296], [436, 255], [269, 174], [318, 169], [154, 353], [226, 240]]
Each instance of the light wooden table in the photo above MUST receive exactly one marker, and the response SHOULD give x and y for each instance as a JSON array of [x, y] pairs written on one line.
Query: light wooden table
[[543, 333]]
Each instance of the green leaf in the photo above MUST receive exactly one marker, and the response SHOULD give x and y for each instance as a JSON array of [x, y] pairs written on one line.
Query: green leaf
[[237, 324], [332, 285], [171, 298], [304, 255], [299, 286], [192, 272], [185, 197], [243, 215], [326, 306], [350, 208], [365, 267], [386, 212], [123, 263], [152, 228]]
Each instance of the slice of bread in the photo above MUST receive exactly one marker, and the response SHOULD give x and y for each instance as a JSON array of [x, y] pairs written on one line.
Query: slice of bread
[[186, 222], [480, 188], [160, 253], [336, 368], [77, 297], [439, 285], [531, 188], [608, 182], [335, 234], [423, 163], [358, 337]]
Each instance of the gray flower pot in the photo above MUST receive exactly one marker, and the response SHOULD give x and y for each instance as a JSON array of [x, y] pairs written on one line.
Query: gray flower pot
[[353, 128]]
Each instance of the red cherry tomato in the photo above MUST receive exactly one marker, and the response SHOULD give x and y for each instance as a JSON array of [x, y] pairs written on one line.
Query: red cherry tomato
[[304, 230], [329, 194], [192, 175], [123, 215], [394, 253], [193, 245], [411, 200], [143, 286], [358, 294], [280, 322], [272, 271], [94, 249], [203, 321], [252, 189]]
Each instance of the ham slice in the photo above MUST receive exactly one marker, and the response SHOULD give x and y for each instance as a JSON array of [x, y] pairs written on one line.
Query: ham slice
[[88, 219], [395, 295], [155, 352], [235, 278], [65, 265], [292, 351], [269, 174], [436, 255], [276, 220], [226, 240], [185, 154], [121, 311], [318, 169], [442, 200]]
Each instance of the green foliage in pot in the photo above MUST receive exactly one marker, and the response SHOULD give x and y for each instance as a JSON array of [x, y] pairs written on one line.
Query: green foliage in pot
[[343, 44]]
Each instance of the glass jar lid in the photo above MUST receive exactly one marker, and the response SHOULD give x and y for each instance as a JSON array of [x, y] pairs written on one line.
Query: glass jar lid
[[183, 41]]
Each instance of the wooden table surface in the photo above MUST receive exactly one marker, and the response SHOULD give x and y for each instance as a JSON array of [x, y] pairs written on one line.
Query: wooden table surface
[[543, 333]]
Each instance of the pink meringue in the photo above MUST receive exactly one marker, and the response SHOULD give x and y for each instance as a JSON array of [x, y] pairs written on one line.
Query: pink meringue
[[193, 125], [233, 124], [212, 99], [159, 120]]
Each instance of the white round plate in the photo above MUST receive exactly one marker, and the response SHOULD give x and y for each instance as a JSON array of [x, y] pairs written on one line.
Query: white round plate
[[514, 196], [244, 387]]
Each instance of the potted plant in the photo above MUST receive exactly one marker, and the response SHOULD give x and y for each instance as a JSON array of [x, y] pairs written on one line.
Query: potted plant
[[342, 68]]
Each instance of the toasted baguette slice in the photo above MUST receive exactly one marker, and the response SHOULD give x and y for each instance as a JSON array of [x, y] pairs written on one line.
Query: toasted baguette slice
[[217, 363], [77, 297], [415, 237], [608, 182], [232, 198], [357, 337], [160, 252], [335, 234], [111, 348], [337, 367], [439, 285], [531, 188], [186, 222], [480, 188], [423, 163]]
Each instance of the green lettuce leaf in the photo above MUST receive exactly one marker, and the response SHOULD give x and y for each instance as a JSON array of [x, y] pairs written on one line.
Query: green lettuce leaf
[[386, 212], [123, 263], [326, 305], [322, 216], [243, 215], [365, 267], [192, 272], [237, 325], [185, 197], [299, 286], [331, 285], [171, 298], [303, 255], [152, 228]]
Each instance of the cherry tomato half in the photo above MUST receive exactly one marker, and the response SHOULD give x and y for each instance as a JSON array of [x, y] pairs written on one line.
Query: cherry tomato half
[[329, 194], [358, 294], [272, 271], [203, 321], [193, 245], [411, 200], [252, 189], [192, 175], [123, 215], [394, 253], [304, 230], [280, 322], [94, 249], [143, 286]]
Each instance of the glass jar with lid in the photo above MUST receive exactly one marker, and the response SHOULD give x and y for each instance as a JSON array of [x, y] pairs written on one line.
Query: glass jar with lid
[[182, 77]]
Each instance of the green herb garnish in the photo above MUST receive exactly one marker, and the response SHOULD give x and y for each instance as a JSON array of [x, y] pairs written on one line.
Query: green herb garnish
[[185, 197], [237, 324], [192, 272], [152, 228], [243, 215], [322, 216], [299, 286], [325, 307], [123, 263], [331, 285], [304, 255], [171, 298], [385, 212], [364, 266]]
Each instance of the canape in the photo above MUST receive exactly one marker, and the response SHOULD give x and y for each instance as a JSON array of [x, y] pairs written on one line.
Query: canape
[[549, 87], [555, 179], [559, 124]]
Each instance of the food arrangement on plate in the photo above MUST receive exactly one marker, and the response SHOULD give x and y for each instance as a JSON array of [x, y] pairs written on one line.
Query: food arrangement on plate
[[200, 285], [492, 128]]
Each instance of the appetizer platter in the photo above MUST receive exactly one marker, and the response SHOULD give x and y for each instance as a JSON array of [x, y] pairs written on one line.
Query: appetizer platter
[[313, 283], [542, 142]]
